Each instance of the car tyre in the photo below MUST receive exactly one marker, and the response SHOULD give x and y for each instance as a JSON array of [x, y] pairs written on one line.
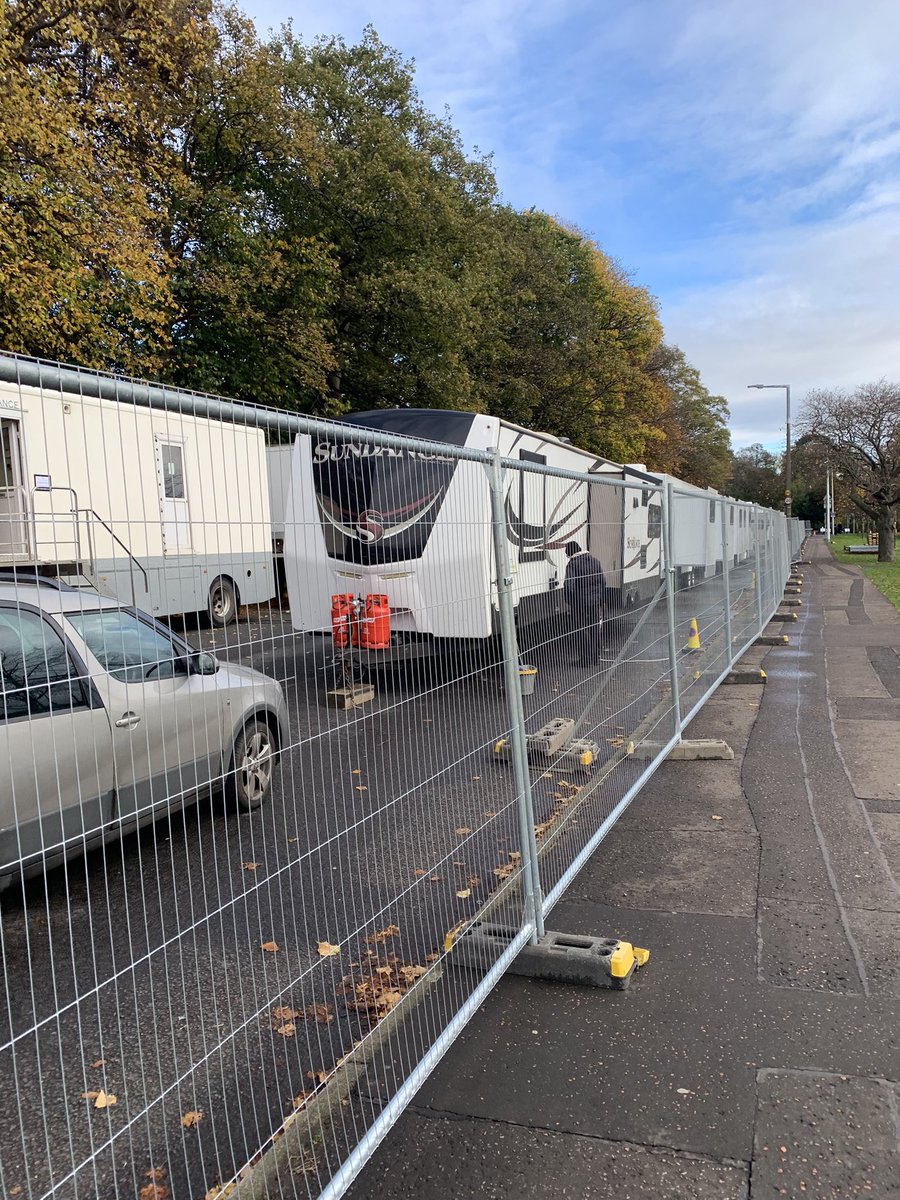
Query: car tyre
[[252, 765], [223, 602]]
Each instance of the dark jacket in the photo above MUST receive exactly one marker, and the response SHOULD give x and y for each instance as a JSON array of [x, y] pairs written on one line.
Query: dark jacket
[[584, 585]]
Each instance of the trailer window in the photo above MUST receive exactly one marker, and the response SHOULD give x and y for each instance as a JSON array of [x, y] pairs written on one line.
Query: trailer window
[[377, 505], [172, 458], [712, 512], [654, 521]]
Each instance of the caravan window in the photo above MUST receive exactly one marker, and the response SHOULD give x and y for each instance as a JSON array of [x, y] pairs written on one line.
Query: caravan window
[[172, 457], [712, 512], [654, 521]]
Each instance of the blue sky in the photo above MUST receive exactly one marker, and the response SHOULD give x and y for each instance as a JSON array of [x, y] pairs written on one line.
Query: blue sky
[[739, 158]]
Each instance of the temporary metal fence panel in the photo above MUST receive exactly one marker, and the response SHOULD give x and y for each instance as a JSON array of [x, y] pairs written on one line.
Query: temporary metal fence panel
[[240, 854]]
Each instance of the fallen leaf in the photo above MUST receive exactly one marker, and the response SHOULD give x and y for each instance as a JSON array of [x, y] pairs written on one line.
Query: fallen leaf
[[490, 814], [101, 1099], [300, 1101], [283, 1013], [434, 878], [249, 866], [356, 771], [432, 957], [326, 950], [464, 894], [473, 881], [288, 1029], [98, 1062], [155, 1174], [293, 839], [320, 1013], [361, 787], [411, 973], [191, 1118], [475, 778], [683, 1091], [385, 972], [463, 830], [318, 1076], [716, 818], [419, 871], [383, 934], [269, 947], [154, 1191]]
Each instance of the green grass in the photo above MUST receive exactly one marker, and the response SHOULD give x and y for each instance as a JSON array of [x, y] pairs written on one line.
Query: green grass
[[885, 576]]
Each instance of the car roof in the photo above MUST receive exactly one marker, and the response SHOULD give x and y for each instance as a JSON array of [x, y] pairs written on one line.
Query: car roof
[[50, 594]]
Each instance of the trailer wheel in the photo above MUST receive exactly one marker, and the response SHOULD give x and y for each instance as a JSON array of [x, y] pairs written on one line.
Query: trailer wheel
[[223, 602]]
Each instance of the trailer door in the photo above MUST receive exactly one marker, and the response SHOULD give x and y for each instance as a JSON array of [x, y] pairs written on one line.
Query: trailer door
[[173, 501], [13, 506]]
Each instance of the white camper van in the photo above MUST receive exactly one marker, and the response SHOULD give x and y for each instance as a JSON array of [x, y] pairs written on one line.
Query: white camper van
[[159, 509], [416, 527]]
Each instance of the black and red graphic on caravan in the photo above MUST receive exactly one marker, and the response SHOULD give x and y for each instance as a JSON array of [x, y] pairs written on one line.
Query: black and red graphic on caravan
[[379, 505]]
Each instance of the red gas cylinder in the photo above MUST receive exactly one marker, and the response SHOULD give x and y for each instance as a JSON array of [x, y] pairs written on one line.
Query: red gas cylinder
[[342, 618], [375, 627]]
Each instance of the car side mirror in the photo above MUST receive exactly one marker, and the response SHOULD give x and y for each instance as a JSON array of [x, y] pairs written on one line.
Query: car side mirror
[[203, 663]]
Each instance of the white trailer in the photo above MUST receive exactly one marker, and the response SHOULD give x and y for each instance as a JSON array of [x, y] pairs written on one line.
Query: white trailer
[[160, 509], [416, 527]]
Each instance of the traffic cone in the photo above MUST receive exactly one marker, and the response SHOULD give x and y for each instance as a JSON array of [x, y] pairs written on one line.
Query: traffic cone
[[693, 642]]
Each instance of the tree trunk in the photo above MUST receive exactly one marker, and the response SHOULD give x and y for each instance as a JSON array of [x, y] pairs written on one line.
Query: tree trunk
[[886, 551]]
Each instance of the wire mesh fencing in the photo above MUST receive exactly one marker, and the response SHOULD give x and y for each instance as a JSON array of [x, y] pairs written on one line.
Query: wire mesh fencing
[[271, 691]]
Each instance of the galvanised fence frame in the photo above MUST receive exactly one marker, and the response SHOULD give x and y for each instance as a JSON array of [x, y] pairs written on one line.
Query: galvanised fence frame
[[203, 1003]]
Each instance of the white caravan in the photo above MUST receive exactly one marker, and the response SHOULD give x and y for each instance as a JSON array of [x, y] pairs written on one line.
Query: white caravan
[[417, 527], [156, 508]]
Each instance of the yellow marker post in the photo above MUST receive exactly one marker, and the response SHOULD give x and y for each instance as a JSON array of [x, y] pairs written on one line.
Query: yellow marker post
[[693, 642]]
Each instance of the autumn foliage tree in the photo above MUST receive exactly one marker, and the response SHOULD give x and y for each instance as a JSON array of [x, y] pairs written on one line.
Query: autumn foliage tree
[[285, 222], [858, 433]]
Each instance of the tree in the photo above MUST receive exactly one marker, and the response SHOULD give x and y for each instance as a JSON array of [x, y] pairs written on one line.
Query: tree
[[756, 476], [91, 93], [859, 432], [698, 446]]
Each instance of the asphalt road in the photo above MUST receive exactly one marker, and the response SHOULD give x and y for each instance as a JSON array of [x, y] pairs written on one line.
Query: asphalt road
[[149, 970]]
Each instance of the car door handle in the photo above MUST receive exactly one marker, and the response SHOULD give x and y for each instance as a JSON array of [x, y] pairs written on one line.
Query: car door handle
[[127, 721]]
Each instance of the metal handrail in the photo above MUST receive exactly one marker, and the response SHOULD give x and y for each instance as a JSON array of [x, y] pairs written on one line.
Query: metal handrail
[[89, 512]]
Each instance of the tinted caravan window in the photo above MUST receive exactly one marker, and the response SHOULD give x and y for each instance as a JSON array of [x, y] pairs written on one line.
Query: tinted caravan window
[[379, 505]]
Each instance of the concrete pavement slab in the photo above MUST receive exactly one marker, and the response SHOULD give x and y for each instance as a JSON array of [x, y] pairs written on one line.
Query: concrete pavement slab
[[823, 1136], [472, 1159], [869, 748]]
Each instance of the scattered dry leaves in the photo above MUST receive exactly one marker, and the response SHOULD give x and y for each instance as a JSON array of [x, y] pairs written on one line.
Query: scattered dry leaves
[[100, 1098], [515, 860], [154, 1191], [299, 1102], [383, 934], [283, 1013], [269, 947], [192, 1117], [287, 1030], [318, 1076], [320, 1013], [327, 950]]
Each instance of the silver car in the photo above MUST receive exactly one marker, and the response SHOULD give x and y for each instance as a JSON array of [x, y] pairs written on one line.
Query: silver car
[[108, 720]]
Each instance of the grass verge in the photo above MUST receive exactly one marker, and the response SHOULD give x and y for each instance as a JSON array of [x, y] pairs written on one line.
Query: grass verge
[[885, 576]]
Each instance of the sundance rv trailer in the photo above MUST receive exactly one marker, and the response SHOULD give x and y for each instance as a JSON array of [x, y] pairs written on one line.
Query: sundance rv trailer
[[155, 507], [416, 527]]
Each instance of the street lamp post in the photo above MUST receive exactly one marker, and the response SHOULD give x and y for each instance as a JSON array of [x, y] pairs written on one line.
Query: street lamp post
[[787, 456]]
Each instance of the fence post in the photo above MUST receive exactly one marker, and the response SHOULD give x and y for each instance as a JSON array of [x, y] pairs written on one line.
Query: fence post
[[668, 510], [531, 879], [726, 580], [759, 582]]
